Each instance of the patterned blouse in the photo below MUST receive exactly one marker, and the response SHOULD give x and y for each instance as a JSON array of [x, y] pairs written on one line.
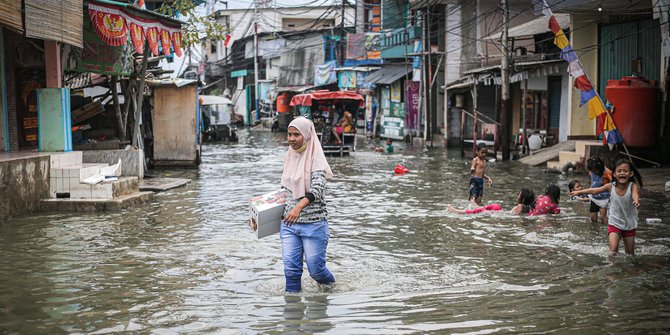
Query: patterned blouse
[[315, 211], [544, 205]]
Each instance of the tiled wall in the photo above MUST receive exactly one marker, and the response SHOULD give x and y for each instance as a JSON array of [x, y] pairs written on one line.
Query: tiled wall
[[67, 174]]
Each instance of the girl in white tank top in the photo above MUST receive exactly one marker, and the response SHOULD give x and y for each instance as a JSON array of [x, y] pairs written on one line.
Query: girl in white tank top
[[624, 201]]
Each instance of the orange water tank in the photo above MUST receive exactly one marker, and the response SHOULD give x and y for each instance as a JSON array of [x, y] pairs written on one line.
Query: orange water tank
[[283, 103], [636, 109]]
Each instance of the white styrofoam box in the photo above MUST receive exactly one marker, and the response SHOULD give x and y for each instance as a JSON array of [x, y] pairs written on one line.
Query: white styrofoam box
[[80, 191], [266, 211], [102, 191]]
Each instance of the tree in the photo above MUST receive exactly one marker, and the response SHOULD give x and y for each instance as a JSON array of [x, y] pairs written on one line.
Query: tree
[[198, 27]]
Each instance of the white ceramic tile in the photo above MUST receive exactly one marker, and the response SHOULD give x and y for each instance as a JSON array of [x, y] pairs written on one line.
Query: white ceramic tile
[[52, 188], [73, 182], [54, 160], [80, 191], [78, 157]]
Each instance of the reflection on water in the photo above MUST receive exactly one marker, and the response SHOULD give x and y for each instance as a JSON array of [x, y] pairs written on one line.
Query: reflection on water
[[188, 264]]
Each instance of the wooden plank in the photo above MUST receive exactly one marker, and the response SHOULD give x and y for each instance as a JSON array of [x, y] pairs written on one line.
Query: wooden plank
[[87, 111], [542, 156]]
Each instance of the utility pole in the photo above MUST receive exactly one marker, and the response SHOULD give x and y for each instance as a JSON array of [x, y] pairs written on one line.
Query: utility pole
[[256, 88], [505, 106], [341, 44]]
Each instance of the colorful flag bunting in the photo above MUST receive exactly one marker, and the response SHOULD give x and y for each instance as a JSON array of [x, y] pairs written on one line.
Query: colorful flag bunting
[[595, 108], [561, 41], [599, 123], [586, 96], [575, 69], [609, 124], [583, 83], [165, 42], [614, 137], [568, 54], [553, 25]]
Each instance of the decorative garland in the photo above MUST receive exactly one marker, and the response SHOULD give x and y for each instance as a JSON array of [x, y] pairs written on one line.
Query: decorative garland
[[112, 24]]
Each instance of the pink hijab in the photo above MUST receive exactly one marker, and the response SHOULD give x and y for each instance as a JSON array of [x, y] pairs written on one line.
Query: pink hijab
[[298, 166]]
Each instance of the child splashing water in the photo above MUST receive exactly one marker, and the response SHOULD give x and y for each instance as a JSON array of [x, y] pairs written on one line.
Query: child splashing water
[[599, 175], [624, 201], [576, 185], [547, 203], [524, 205]]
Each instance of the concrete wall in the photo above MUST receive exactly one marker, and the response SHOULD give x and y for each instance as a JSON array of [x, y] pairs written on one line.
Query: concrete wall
[[584, 38], [132, 160], [23, 183]]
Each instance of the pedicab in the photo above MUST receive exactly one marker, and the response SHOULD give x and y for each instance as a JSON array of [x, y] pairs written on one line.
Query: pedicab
[[217, 118], [335, 115]]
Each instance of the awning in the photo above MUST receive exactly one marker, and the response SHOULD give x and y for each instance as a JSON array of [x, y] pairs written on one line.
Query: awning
[[113, 21], [388, 74], [60, 21], [11, 15], [533, 27], [214, 100], [306, 99]]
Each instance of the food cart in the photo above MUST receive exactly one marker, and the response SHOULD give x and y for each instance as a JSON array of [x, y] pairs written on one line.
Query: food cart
[[217, 119], [325, 109]]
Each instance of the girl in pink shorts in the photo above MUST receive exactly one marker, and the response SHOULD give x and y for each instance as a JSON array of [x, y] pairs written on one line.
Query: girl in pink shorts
[[624, 201]]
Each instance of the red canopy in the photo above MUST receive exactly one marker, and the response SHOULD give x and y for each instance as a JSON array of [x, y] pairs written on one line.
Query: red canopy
[[306, 99]]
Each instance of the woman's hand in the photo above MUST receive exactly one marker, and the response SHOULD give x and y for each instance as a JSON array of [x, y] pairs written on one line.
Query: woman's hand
[[292, 216]]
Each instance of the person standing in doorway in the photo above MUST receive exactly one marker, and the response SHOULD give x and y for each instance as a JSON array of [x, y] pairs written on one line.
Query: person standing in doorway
[[304, 232]]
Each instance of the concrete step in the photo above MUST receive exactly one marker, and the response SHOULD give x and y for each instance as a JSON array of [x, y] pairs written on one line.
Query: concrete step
[[65, 178], [555, 166], [96, 205], [580, 146], [569, 156], [106, 190]]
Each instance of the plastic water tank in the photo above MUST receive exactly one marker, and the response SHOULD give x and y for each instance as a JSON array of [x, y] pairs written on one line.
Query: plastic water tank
[[636, 109], [283, 103]]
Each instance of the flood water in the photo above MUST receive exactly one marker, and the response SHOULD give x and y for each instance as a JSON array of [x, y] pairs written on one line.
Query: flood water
[[187, 262]]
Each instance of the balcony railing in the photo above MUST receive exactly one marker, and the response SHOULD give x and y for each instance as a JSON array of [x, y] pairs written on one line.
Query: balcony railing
[[395, 43]]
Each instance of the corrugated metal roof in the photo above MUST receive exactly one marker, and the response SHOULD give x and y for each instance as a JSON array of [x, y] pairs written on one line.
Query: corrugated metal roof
[[388, 74], [533, 27]]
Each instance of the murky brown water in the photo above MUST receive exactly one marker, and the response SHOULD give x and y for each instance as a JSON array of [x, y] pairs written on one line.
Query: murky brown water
[[187, 263]]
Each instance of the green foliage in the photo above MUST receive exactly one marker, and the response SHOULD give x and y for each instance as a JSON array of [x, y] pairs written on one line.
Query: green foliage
[[197, 27]]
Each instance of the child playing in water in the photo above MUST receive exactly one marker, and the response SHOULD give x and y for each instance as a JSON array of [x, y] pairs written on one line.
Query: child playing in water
[[477, 175], [547, 203], [624, 201], [389, 147], [525, 201], [576, 185], [599, 175]]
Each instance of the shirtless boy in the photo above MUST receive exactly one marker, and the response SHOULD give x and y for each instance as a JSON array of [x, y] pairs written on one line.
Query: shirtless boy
[[477, 175]]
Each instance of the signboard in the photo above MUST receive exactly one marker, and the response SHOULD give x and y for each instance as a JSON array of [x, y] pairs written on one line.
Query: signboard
[[239, 73], [412, 104], [395, 91], [99, 57], [393, 127]]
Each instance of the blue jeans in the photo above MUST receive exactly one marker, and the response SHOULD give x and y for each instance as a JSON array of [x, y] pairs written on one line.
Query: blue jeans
[[310, 240]]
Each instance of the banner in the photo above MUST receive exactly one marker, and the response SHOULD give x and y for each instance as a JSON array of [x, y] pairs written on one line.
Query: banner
[[412, 104], [112, 23], [325, 74], [98, 56]]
